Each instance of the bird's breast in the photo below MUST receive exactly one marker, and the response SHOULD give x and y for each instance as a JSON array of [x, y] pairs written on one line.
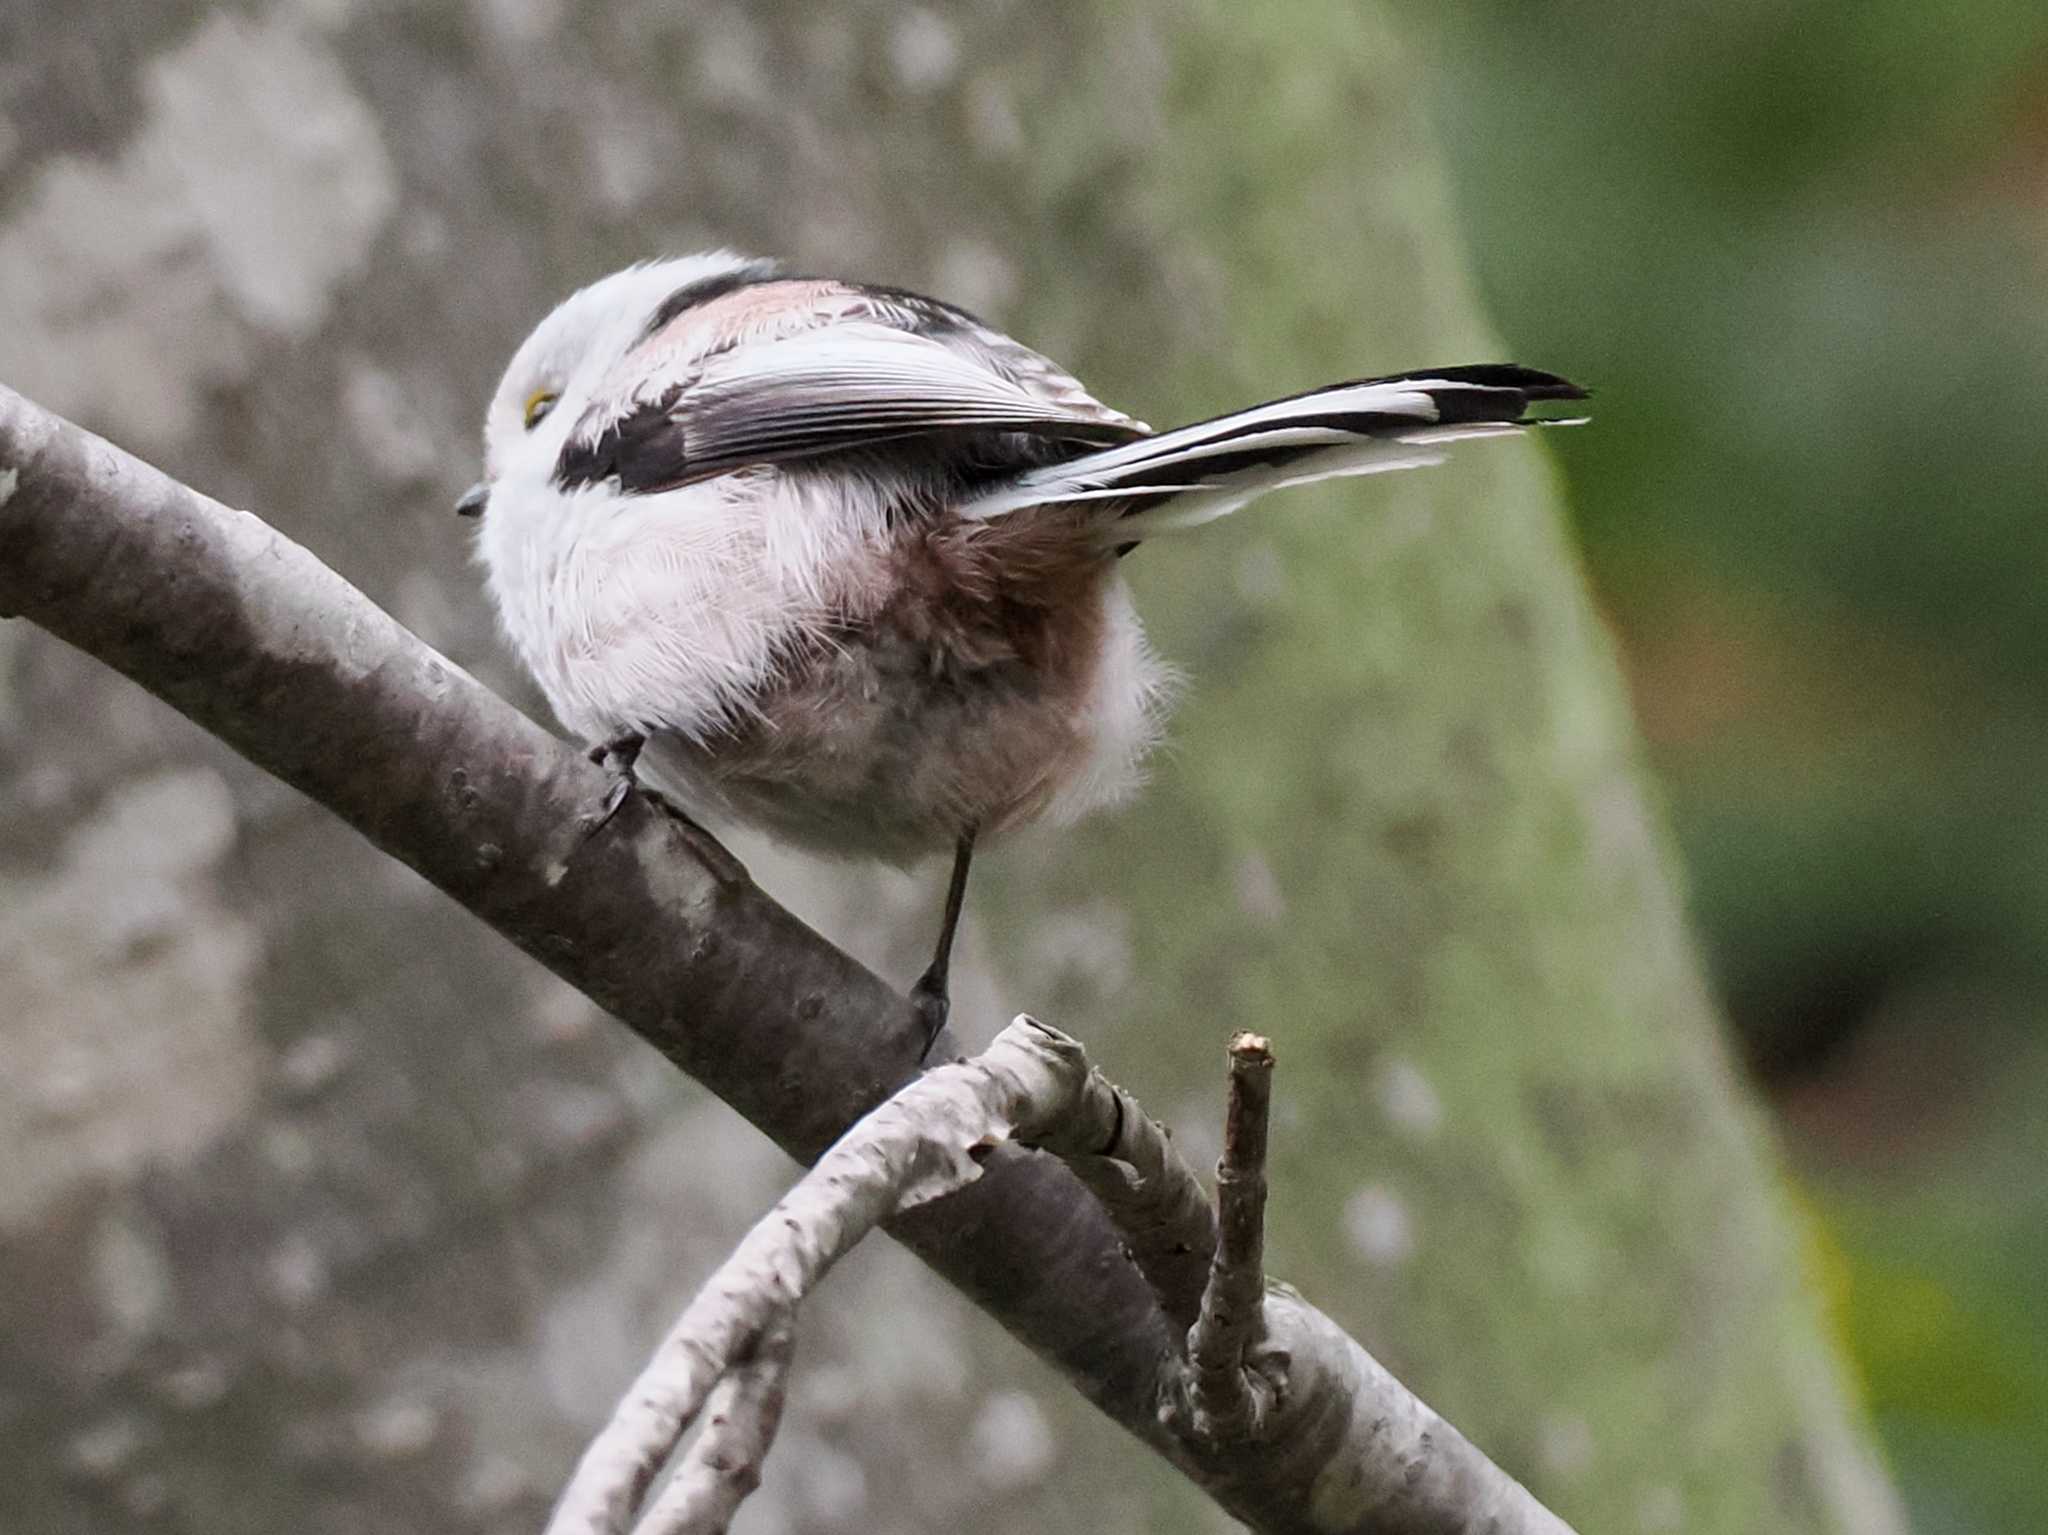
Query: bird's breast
[[854, 675], [906, 729]]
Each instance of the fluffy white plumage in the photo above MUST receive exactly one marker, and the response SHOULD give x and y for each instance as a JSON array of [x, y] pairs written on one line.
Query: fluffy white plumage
[[676, 613], [847, 558]]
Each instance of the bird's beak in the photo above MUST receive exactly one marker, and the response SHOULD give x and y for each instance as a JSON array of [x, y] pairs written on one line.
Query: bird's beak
[[474, 500]]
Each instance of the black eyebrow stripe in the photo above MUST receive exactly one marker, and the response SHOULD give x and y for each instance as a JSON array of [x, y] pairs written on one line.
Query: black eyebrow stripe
[[705, 289]]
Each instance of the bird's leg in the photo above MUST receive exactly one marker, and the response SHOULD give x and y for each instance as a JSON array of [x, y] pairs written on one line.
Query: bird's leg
[[616, 757], [929, 996]]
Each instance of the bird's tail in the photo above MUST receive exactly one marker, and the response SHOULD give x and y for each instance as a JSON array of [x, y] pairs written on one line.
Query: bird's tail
[[1194, 474]]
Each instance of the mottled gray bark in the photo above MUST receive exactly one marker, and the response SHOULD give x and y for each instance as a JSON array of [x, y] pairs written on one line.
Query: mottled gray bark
[[370, 1223]]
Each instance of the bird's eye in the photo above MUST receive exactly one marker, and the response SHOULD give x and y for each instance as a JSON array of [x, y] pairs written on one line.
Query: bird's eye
[[538, 404]]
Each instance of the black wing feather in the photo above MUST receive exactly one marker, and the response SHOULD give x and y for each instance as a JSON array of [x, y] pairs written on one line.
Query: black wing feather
[[842, 390]]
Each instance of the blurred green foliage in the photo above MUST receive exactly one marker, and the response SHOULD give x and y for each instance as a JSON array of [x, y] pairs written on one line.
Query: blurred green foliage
[[1801, 253]]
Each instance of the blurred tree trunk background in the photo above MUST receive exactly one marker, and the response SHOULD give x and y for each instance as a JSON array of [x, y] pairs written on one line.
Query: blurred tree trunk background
[[322, 1210]]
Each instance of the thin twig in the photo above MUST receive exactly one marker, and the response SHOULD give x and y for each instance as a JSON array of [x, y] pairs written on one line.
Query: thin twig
[[1157, 1201], [928, 1140], [1228, 1397], [723, 1467]]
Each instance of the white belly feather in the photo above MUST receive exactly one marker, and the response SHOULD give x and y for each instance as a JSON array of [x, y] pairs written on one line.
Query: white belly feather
[[672, 614]]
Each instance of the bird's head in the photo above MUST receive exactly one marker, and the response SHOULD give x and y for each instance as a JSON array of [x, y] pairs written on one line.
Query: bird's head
[[560, 366]]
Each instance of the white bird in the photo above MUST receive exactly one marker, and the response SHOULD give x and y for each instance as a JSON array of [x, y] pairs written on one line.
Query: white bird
[[845, 561]]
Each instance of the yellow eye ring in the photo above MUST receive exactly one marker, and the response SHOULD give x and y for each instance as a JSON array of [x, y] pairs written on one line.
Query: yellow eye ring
[[538, 404]]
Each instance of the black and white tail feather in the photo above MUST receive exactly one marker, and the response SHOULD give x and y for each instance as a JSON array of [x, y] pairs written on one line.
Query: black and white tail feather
[[1183, 478]]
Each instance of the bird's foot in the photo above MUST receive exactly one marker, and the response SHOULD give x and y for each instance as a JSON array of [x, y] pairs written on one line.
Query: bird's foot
[[616, 758], [928, 999]]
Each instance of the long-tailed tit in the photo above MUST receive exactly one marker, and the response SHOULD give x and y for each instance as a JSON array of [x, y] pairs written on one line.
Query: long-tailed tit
[[845, 561]]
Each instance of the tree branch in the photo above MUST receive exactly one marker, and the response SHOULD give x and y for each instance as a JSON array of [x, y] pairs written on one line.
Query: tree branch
[[926, 1141], [1160, 1208], [724, 1466], [252, 637], [1229, 1397]]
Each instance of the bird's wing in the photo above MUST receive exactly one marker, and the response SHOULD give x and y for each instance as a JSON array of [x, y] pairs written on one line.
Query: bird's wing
[[880, 368]]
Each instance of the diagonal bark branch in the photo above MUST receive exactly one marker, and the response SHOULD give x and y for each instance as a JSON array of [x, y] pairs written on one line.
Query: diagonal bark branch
[[255, 639]]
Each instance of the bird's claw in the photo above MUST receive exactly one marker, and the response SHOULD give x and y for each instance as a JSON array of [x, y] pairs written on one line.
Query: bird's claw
[[928, 1000], [621, 790], [616, 758]]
